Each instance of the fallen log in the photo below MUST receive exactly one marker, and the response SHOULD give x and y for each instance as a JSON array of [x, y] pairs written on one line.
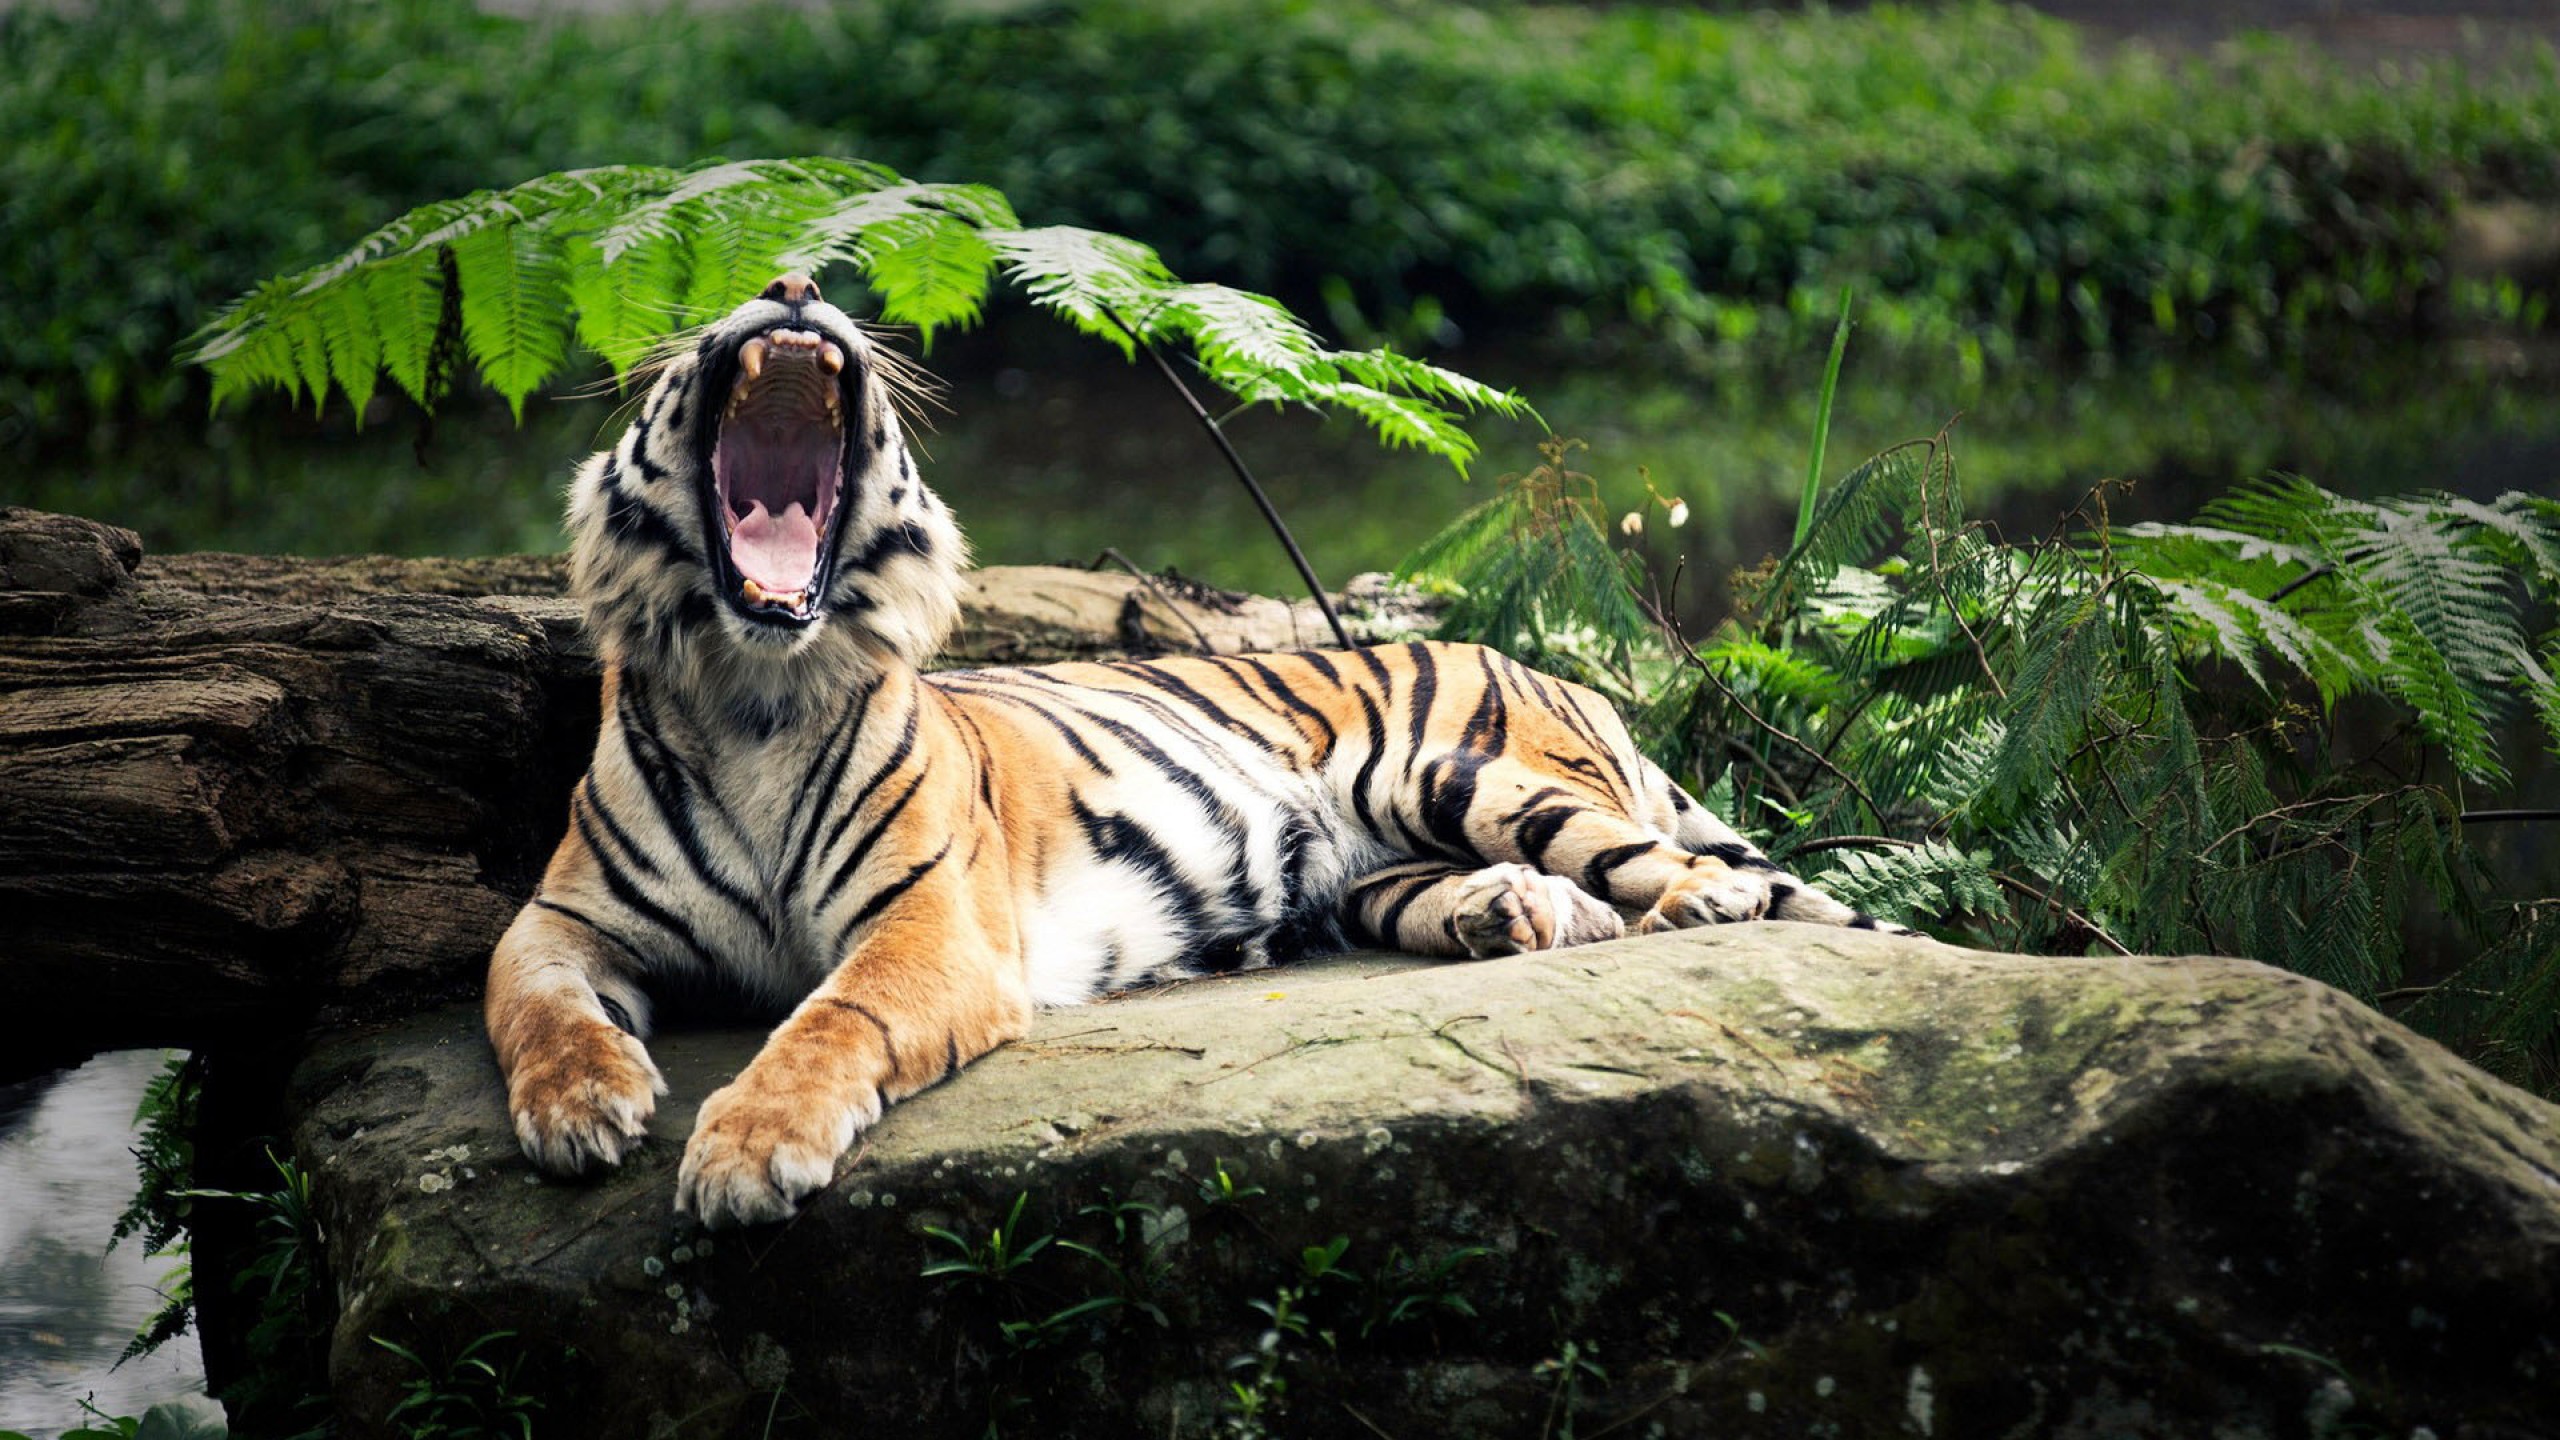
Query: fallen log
[[241, 791]]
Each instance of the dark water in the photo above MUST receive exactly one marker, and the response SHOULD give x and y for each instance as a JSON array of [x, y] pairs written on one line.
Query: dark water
[[1053, 450], [67, 1307]]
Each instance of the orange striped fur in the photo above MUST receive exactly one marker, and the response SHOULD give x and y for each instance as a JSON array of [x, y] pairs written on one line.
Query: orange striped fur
[[902, 866]]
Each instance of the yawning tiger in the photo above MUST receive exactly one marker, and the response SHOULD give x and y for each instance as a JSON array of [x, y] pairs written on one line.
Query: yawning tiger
[[781, 802]]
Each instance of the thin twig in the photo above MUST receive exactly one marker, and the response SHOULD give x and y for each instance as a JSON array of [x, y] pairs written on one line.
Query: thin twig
[[2496, 817], [1253, 487], [1365, 1420], [2316, 572], [1112, 554], [1818, 758]]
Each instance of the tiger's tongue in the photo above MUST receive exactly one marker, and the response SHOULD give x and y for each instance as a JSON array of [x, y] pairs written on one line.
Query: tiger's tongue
[[778, 552]]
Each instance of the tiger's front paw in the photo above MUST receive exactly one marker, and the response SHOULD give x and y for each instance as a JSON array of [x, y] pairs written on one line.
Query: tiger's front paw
[[756, 1152], [583, 1098], [1711, 894]]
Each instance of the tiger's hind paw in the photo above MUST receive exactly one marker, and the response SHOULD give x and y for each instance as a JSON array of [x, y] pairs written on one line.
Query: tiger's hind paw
[[1513, 909], [584, 1103], [1713, 893]]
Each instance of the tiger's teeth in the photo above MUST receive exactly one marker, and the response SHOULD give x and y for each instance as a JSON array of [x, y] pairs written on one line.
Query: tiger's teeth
[[831, 357], [754, 592], [751, 357]]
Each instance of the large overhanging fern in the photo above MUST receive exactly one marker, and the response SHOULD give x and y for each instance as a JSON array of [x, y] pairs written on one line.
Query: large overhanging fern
[[618, 258]]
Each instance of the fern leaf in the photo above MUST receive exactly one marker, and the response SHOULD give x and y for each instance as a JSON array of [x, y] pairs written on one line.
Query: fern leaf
[[513, 300], [1098, 281], [405, 298]]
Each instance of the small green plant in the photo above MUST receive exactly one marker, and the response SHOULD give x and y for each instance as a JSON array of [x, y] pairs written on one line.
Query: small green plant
[[1571, 1367], [476, 1395], [287, 1273], [994, 1259], [1256, 1398], [1223, 1190], [164, 1159]]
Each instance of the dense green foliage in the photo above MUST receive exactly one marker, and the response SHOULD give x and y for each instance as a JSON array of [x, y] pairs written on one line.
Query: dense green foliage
[[2149, 739], [1980, 176], [620, 257]]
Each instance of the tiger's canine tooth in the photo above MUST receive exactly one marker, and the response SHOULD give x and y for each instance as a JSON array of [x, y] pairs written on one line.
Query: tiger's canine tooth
[[751, 357], [754, 592], [831, 357]]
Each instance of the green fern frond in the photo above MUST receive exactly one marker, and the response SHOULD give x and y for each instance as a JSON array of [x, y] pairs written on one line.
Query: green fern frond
[[1929, 879], [618, 258]]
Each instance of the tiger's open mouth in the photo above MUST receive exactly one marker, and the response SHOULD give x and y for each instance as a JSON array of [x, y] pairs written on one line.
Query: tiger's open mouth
[[777, 473]]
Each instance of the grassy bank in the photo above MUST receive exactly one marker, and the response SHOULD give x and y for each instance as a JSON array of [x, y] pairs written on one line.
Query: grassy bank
[[1981, 177]]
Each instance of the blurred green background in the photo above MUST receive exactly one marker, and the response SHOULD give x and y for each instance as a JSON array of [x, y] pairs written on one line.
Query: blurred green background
[[2179, 259]]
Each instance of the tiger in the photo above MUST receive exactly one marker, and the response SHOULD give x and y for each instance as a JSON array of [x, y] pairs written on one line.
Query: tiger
[[784, 806]]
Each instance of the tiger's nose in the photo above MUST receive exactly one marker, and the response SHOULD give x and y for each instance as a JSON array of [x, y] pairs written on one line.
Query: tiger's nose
[[793, 289]]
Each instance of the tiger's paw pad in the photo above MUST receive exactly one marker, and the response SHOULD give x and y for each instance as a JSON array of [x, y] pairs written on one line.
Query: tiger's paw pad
[[1712, 894], [1514, 909], [585, 1102], [755, 1155]]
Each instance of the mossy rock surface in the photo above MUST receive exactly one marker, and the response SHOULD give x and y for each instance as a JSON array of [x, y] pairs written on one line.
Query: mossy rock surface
[[1771, 1179]]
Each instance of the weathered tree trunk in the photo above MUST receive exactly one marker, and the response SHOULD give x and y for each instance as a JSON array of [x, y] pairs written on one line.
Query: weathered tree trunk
[[240, 788]]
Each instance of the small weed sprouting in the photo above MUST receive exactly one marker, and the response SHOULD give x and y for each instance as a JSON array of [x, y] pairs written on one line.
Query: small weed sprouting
[[1570, 1366], [1407, 1288], [1257, 1398], [1223, 1190], [994, 1258], [474, 1396]]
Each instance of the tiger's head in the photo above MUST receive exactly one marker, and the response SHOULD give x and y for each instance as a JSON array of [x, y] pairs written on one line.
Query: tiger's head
[[760, 525]]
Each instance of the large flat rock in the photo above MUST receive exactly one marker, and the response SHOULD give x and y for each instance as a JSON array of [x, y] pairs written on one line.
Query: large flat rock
[[1771, 1179]]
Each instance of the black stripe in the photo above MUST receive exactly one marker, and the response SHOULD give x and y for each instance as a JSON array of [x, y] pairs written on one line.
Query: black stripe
[[1118, 838], [641, 905], [1369, 766], [1065, 731], [1581, 765], [1392, 921], [587, 798], [1386, 682], [897, 756], [1426, 689], [1735, 854], [1596, 873], [1539, 831], [847, 737], [950, 1054], [1069, 693], [625, 946], [1376, 880], [866, 1012], [1184, 691], [1289, 697], [1535, 798], [862, 848], [1321, 665], [627, 518], [885, 895], [663, 779]]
